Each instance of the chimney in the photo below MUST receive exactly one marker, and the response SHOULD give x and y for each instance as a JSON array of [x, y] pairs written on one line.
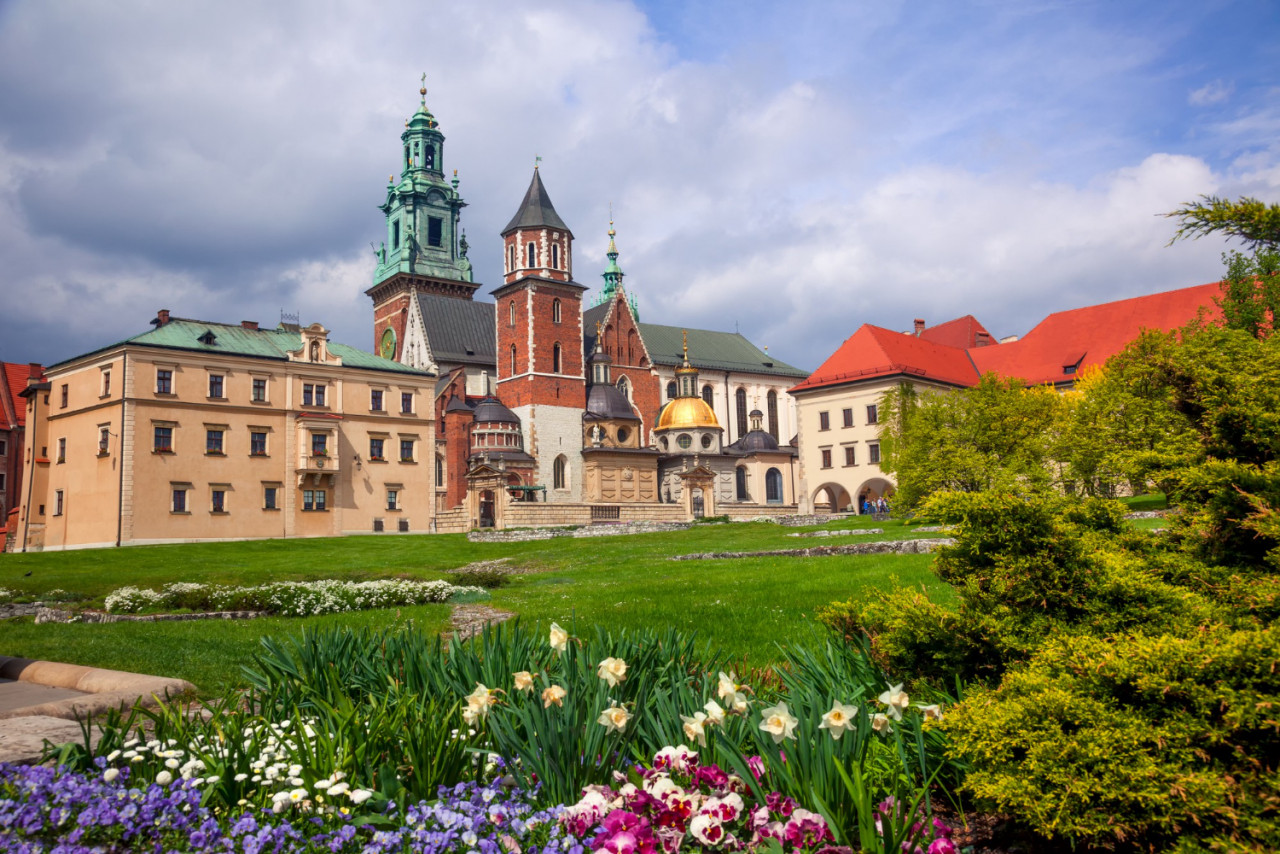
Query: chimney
[[34, 370], [983, 339], [162, 317], [919, 326], [249, 324]]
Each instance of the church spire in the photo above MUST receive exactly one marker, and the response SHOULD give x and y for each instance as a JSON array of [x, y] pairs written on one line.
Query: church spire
[[613, 274]]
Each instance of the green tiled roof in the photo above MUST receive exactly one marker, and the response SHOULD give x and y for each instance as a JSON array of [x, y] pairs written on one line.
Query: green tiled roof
[[725, 351], [235, 340]]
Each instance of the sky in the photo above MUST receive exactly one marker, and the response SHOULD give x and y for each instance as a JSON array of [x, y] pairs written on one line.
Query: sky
[[787, 170]]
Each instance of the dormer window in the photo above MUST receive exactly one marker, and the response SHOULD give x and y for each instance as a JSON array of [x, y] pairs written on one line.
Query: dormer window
[[208, 338]]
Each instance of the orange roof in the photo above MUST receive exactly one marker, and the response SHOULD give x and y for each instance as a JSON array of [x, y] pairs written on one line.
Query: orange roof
[[874, 351], [1085, 337], [15, 382], [961, 332], [1074, 340]]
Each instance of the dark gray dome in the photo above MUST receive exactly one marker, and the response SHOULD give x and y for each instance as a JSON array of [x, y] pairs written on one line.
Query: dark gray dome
[[756, 440], [605, 401], [491, 410]]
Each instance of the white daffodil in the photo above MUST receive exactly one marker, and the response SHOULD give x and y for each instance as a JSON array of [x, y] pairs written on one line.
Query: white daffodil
[[880, 723], [694, 727], [612, 670], [839, 719], [614, 718], [932, 713], [553, 695], [524, 680], [779, 722], [731, 692], [480, 700], [559, 638], [897, 701], [715, 714]]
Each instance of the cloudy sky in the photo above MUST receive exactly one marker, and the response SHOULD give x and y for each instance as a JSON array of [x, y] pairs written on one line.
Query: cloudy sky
[[791, 170]]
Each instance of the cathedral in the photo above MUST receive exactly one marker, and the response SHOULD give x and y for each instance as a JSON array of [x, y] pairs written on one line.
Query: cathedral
[[544, 399]]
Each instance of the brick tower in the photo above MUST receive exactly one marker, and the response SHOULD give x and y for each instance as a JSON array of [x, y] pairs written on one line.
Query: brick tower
[[539, 341]]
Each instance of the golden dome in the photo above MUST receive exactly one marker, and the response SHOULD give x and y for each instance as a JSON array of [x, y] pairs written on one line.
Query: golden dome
[[685, 413]]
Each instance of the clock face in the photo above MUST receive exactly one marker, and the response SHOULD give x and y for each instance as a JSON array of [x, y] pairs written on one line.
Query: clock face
[[388, 345]]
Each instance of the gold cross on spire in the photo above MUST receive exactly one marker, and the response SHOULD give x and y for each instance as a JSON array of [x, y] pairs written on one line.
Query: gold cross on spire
[[423, 91], [685, 333]]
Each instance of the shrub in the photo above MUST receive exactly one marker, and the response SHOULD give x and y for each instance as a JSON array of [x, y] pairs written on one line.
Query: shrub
[[1142, 739]]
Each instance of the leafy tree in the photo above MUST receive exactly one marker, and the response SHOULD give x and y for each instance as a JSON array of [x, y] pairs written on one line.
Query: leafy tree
[[994, 434], [1250, 298], [1248, 219]]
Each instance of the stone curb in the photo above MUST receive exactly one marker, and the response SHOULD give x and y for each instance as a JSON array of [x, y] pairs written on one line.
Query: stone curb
[[105, 689], [891, 547]]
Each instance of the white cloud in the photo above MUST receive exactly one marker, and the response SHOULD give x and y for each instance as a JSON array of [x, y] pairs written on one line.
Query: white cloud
[[1213, 92]]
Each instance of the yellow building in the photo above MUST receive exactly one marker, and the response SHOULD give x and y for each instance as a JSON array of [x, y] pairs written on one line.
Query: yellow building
[[199, 431]]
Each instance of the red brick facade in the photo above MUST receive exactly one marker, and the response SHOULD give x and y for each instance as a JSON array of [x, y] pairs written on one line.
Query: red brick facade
[[393, 313], [527, 369], [627, 352]]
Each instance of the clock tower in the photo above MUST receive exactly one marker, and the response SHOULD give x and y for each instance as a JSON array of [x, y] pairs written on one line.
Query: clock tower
[[424, 250]]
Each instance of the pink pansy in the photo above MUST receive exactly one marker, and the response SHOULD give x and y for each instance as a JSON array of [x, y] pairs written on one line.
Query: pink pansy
[[707, 830]]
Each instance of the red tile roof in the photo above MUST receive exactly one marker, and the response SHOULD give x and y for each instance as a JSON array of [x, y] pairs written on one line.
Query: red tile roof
[[1088, 336], [1081, 337], [15, 382]]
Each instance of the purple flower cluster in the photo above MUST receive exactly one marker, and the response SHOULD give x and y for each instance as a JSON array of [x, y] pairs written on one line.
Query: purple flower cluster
[[680, 804], [46, 809], [936, 834]]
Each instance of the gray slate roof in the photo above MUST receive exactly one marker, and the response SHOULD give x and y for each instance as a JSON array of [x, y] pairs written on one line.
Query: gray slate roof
[[456, 326], [536, 210]]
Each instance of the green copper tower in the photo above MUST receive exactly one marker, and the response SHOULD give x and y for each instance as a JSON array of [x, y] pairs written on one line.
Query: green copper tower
[[424, 246], [613, 275]]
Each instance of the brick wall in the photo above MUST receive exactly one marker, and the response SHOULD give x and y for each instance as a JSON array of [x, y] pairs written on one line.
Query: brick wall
[[395, 314]]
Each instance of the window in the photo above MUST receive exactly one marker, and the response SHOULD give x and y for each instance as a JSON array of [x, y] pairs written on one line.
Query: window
[[395, 234], [259, 390], [213, 442], [555, 260], [773, 486], [824, 421], [375, 400], [258, 443], [511, 313], [269, 498], [741, 482], [104, 441], [555, 309], [375, 449], [558, 472], [164, 381], [772, 401], [511, 258], [706, 441], [313, 499], [531, 255], [850, 456], [624, 386], [106, 383], [393, 499], [218, 503], [555, 358], [848, 417], [4, 447], [513, 360], [320, 444], [163, 440], [313, 394], [873, 453], [826, 458], [671, 390], [685, 441], [406, 450], [179, 500], [63, 393], [57, 503], [440, 472], [872, 414], [215, 386], [406, 402], [709, 395], [623, 433], [740, 396], [62, 450], [435, 229]]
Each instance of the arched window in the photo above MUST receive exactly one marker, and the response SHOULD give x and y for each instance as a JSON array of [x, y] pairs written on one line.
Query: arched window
[[773, 486], [439, 471], [513, 360], [671, 390], [555, 358], [531, 255], [631, 344], [555, 311], [511, 258], [511, 312], [624, 386], [772, 401], [742, 484], [709, 395], [429, 158], [559, 471], [741, 397], [555, 257]]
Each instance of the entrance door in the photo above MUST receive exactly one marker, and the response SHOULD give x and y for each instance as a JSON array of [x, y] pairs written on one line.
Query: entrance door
[[698, 510], [486, 509]]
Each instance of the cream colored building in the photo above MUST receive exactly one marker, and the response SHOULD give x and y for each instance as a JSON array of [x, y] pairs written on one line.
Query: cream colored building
[[199, 431]]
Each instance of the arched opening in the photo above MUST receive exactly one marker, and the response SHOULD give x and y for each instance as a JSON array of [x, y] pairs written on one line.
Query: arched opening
[[831, 498], [555, 311], [671, 390], [555, 358], [439, 471], [487, 508], [631, 345], [511, 313], [709, 396], [874, 496], [772, 410], [559, 472], [773, 486], [695, 499], [741, 482], [555, 259], [624, 386], [513, 360], [531, 255], [511, 258], [740, 397]]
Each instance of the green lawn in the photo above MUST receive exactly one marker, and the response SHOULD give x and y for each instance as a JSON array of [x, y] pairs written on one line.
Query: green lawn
[[743, 607]]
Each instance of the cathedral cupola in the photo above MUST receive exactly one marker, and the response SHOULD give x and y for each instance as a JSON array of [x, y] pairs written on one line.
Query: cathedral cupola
[[687, 411], [613, 275], [537, 242]]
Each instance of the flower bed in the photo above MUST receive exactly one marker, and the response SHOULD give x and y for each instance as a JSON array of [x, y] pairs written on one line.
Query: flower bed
[[291, 598]]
